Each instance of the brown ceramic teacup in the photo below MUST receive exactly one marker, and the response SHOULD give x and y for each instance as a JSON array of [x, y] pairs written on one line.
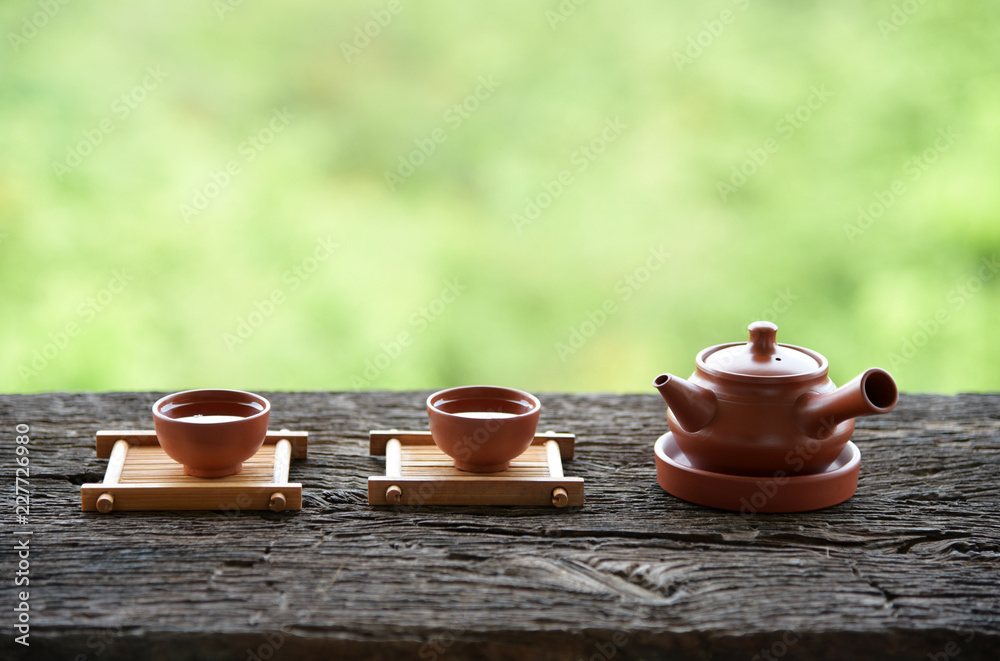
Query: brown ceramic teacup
[[483, 427], [211, 432]]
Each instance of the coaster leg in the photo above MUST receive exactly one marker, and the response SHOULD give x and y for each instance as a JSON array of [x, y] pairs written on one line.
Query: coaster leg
[[393, 468], [560, 498], [282, 460], [554, 458], [106, 501]]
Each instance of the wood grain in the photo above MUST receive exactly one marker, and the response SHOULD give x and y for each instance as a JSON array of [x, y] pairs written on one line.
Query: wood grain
[[909, 567]]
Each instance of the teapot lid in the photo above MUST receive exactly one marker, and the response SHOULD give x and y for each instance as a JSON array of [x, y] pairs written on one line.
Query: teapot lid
[[762, 356]]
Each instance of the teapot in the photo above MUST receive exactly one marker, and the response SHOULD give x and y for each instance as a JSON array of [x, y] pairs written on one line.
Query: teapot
[[766, 409]]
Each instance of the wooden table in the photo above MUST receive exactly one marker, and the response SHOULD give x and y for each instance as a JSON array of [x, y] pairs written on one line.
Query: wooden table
[[908, 568]]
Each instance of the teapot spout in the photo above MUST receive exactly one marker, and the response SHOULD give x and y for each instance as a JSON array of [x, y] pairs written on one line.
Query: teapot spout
[[872, 393], [692, 406]]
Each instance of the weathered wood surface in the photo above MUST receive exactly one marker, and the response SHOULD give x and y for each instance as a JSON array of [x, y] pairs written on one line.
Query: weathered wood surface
[[908, 568]]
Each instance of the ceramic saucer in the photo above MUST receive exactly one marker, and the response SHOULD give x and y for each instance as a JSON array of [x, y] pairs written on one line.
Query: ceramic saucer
[[778, 493]]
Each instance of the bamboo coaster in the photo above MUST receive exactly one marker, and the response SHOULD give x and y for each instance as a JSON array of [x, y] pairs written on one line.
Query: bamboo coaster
[[418, 473], [140, 476]]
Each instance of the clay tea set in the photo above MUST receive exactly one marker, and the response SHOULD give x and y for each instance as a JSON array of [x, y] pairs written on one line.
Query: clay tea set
[[758, 427], [210, 449], [482, 449]]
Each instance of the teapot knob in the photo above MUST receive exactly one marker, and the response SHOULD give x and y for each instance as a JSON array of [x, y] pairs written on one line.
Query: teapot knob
[[763, 338]]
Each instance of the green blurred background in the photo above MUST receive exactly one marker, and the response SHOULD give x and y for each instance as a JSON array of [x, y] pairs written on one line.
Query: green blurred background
[[828, 108]]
